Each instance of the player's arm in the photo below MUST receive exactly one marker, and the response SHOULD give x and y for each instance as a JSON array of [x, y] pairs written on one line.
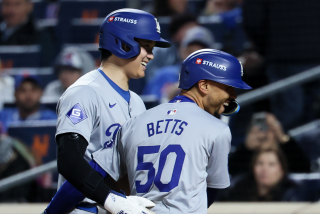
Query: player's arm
[[68, 197], [217, 169], [76, 170], [88, 178]]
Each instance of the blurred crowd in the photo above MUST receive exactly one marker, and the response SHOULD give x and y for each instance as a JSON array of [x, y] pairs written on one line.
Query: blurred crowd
[[45, 47]]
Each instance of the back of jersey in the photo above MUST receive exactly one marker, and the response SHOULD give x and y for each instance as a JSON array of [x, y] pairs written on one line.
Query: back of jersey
[[172, 153]]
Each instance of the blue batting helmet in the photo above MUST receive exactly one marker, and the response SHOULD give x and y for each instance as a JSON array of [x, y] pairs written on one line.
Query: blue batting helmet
[[215, 65], [210, 64], [123, 26]]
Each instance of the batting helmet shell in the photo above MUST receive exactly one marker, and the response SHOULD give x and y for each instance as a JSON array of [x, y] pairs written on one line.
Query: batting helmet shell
[[210, 64], [123, 26]]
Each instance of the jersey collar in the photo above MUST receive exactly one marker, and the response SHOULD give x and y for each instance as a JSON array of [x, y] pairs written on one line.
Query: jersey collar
[[123, 93], [181, 99]]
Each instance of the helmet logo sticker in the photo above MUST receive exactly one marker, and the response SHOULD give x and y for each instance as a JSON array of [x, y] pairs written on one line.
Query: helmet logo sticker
[[158, 25], [198, 61], [121, 19]]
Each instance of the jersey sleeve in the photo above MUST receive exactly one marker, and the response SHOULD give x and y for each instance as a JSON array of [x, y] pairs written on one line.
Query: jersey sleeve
[[217, 169], [78, 111], [111, 160]]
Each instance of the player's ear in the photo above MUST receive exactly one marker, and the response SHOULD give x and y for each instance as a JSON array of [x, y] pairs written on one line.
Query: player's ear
[[203, 87]]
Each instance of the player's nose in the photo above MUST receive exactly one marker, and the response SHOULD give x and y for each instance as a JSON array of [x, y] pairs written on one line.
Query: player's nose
[[150, 56]]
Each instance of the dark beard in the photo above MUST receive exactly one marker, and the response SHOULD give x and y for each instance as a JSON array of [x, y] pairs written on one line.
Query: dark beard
[[211, 103]]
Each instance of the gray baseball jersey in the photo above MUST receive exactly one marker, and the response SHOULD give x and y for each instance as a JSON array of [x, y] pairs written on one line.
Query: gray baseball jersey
[[95, 107], [171, 154]]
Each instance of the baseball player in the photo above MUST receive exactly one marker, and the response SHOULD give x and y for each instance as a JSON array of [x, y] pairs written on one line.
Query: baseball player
[[176, 154], [92, 110]]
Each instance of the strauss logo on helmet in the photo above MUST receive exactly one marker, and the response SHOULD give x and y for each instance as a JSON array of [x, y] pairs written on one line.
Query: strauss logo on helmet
[[111, 18], [211, 64], [198, 61], [122, 19]]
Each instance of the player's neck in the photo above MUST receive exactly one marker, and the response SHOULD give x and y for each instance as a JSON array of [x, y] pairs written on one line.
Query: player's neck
[[193, 96], [116, 74]]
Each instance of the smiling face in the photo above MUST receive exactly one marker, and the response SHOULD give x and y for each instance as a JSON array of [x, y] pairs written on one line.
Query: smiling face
[[135, 67], [217, 97]]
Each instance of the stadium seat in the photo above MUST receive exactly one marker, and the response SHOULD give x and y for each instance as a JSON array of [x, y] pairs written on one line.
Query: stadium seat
[[194, 6], [39, 136], [46, 75], [20, 56], [85, 10], [39, 9], [84, 31]]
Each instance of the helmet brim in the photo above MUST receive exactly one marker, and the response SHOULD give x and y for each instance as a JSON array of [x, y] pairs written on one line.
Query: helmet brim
[[236, 84], [162, 43]]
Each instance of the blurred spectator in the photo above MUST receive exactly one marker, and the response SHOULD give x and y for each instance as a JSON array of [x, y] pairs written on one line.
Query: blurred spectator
[[267, 181], [164, 83], [267, 131], [15, 158], [170, 56], [214, 7], [6, 88], [70, 65], [169, 7], [287, 34], [17, 27], [28, 92], [228, 10]]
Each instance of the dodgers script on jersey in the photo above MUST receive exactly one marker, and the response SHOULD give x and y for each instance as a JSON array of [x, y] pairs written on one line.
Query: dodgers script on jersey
[[171, 154], [94, 108]]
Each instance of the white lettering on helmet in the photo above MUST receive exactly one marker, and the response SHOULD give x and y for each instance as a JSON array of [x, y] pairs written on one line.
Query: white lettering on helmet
[[121, 19], [215, 65]]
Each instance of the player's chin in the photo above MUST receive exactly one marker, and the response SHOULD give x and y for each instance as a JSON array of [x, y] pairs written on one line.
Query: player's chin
[[138, 75], [221, 110]]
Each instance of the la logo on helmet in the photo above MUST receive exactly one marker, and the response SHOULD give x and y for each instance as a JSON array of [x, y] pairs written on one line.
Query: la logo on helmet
[[241, 68], [158, 26]]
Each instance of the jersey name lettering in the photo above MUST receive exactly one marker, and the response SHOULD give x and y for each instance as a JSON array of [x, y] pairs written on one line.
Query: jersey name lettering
[[166, 126]]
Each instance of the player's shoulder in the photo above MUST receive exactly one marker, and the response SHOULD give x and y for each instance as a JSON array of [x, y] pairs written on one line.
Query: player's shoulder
[[89, 79], [135, 96], [136, 99], [201, 118], [79, 92], [83, 94]]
